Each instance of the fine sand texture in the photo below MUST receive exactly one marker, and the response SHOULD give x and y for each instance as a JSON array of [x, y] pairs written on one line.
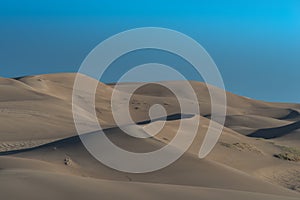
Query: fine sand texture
[[42, 157]]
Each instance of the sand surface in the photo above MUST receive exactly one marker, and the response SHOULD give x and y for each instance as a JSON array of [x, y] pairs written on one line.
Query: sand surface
[[42, 157]]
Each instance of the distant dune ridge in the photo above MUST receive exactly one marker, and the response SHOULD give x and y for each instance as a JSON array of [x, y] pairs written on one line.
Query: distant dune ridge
[[41, 156]]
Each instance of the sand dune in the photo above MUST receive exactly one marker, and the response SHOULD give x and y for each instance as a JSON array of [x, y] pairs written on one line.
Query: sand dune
[[41, 155], [74, 187], [277, 131]]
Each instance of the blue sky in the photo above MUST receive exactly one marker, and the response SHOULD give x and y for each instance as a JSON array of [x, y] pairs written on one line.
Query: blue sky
[[255, 44]]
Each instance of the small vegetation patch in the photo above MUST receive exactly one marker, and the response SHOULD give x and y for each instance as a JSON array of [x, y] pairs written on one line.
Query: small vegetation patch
[[241, 147], [67, 161], [288, 153], [226, 144]]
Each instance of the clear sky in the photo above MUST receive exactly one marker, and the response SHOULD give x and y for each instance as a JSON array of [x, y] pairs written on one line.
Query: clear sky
[[255, 44]]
